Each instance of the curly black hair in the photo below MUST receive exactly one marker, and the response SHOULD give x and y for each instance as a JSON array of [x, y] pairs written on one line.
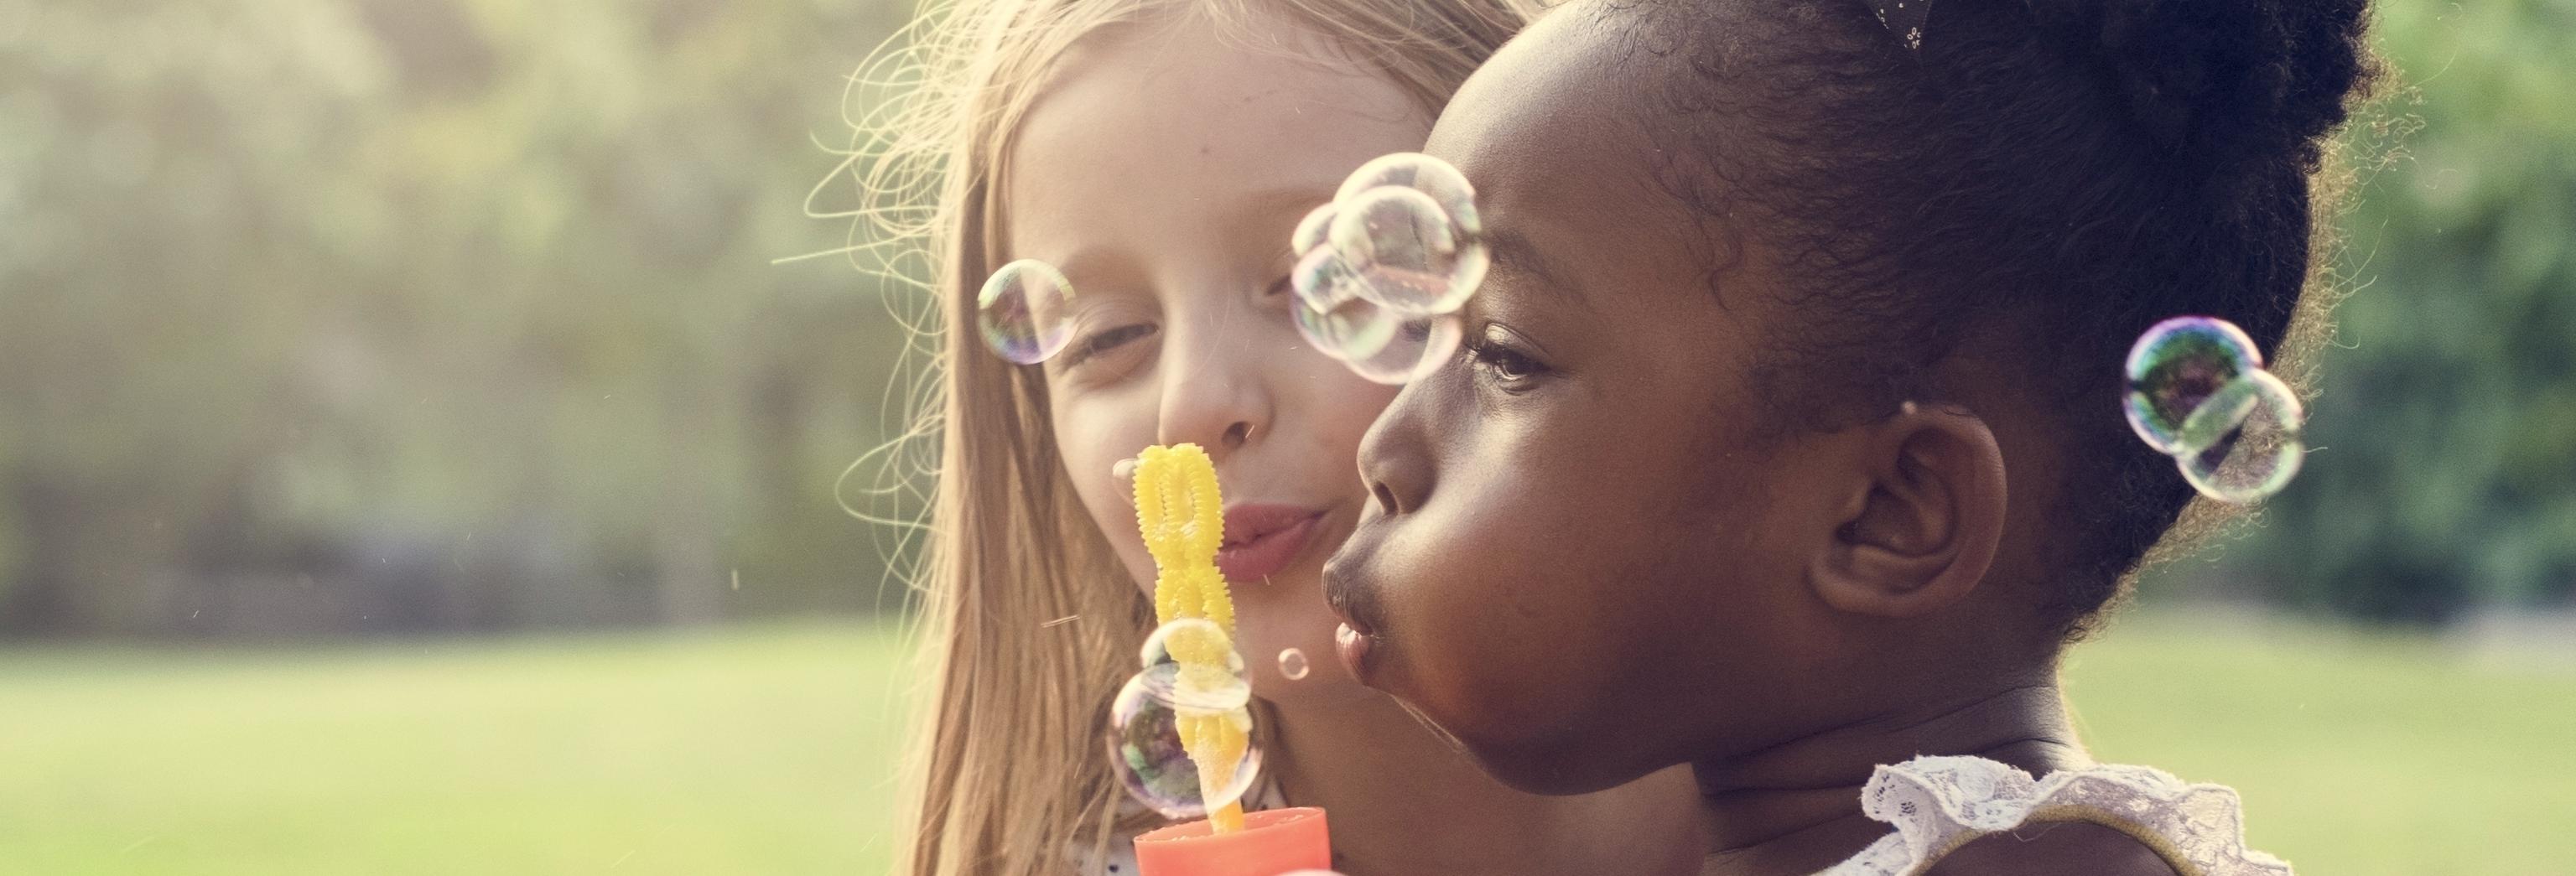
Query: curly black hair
[[2057, 173]]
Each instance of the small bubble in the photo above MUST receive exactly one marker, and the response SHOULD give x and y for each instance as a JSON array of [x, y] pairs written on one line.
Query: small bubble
[[1425, 174], [1348, 330], [2249, 435], [1408, 255], [1292, 665], [1322, 280], [2175, 366], [1310, 230], [1382, 269], [1416, 348], [2197, 392], [1172, 701], [1022, 311], [1190, 637]]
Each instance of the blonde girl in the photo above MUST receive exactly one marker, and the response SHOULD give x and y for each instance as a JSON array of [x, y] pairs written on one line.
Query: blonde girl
[[1159, 152]]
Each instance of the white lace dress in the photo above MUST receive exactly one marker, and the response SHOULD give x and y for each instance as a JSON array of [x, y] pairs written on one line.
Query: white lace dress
[[1940, 803]]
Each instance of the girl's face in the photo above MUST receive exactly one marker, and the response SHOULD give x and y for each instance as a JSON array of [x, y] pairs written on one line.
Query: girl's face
[[1577, 557], [1162, 171]]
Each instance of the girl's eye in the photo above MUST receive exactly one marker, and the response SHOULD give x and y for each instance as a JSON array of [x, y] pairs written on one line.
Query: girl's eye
[[1104, 341], [1507, 367]]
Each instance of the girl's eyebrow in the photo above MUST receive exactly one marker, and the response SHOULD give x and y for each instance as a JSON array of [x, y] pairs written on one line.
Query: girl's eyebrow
[[1512, 250], [1266, 206], [1086, 264]]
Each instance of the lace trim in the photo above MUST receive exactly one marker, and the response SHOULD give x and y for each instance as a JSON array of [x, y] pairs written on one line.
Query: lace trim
[[1940, 803]]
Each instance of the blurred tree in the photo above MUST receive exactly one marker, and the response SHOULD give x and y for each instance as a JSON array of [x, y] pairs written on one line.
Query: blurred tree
[[387, 314], [2444, 466]]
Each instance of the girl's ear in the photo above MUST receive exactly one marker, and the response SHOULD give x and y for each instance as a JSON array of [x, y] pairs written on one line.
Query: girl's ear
[[1922, 530]]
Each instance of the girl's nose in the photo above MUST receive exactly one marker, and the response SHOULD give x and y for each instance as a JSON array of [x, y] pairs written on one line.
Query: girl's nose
[[1213, 396], [1395, 461]]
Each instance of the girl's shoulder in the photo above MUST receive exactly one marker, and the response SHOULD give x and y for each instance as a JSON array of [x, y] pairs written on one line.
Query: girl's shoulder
[[1939, 804]]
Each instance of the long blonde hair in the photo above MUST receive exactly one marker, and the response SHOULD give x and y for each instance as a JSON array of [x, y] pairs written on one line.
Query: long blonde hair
[[1026, 622]]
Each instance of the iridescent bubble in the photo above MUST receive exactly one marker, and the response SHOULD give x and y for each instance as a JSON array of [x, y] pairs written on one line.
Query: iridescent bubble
[[2248, 432], [1189, 634], [1351, 329], [2175, 366], [1292, 665], [1425, 174], [1416, 348], [1022, 311], [1145, 750], [1407, 253], [1310, 230], [1322, 281]]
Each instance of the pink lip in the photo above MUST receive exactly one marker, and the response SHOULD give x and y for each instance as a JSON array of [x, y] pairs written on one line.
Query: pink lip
[[1352, 646], [1260, 540]]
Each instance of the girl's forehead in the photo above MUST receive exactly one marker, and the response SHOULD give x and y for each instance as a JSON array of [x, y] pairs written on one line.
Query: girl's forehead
[[1147, 132], [1216, 95], [1555, 116], [1559, 145]]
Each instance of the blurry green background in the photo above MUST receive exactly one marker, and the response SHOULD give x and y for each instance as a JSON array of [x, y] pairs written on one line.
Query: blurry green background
[[411, 460]]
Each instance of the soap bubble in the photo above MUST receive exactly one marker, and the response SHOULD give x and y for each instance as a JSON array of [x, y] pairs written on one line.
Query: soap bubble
[[1383, 267], [1145, 750], [1393, 228], [2175, 366], [1353, 328], [1412, 351], [1022, 311], [1292, 665], [1322, 280], [1189, 636], [1408, 255], [1421, 173], [1310, 230], [2248, 435]]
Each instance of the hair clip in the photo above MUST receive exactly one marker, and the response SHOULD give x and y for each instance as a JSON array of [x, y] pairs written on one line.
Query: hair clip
[[1904, 18]]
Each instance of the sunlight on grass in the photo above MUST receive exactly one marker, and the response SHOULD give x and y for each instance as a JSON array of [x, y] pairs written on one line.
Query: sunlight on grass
[[742, 751], [2356, 753]]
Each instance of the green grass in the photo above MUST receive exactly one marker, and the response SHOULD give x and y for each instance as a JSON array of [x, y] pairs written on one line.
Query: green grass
[[740, 751], [2356, 753], [769, 750]]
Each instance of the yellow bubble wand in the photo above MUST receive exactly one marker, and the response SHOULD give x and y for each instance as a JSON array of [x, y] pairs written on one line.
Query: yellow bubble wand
[[1182, 518]]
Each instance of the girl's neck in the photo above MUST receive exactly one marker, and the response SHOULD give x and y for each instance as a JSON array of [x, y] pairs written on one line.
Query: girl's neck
[[1795, 807], [1405, 802]]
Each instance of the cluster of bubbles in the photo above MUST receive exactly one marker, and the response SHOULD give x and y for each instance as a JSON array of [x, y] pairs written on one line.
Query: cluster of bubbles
[[2198, 392], [1145, 725], [1383, 269], [1021, 311], [1381, 273]]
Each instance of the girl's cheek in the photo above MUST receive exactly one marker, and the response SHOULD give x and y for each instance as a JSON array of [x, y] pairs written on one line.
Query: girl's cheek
[[1092, 435], [1343, 411]]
